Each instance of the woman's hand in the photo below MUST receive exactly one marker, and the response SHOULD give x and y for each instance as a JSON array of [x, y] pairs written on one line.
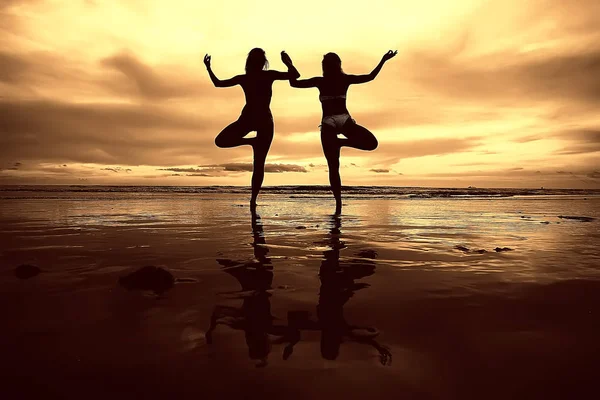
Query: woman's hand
[[286, 59], [389, 54], [207, 61]]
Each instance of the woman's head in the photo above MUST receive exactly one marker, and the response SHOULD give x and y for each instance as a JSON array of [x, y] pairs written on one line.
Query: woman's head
[[332, 65], [256, 61]]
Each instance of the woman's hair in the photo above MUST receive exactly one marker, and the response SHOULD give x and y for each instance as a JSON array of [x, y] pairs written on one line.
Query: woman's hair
[[332, 65], [256, 61]]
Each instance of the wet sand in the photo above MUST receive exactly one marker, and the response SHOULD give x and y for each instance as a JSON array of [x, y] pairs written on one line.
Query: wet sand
[[394, 298]]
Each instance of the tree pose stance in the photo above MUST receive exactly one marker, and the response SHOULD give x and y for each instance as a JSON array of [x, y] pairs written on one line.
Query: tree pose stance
[[256, 115], [333, 86]]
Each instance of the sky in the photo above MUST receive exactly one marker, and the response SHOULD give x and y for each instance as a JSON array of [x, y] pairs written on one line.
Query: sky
[[498, 93]]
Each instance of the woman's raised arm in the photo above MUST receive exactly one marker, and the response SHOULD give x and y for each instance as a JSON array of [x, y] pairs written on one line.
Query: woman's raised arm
[[236, 80], [369, 77]]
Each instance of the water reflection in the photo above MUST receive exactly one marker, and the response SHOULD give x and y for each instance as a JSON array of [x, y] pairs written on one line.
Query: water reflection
[[338, 284], [254, 317]]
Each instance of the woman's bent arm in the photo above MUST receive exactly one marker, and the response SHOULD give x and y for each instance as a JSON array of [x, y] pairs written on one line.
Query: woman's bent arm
[[306, 83], [236, 80]]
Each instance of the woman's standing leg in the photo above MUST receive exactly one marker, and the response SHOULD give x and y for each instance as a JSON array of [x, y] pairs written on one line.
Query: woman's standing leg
[[331, 149], [261, 145]]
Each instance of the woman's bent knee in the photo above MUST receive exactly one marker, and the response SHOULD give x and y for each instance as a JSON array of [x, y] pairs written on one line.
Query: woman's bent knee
[[221, 142], [372, 144]]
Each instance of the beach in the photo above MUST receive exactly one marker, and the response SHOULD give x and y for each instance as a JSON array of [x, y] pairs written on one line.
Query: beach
[[423, 294]]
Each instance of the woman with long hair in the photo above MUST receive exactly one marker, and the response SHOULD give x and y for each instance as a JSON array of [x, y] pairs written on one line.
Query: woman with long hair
[[256, 115], [333, 86]]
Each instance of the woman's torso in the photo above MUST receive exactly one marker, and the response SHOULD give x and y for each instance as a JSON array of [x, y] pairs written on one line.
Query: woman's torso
[[258, 89], [332, 94]]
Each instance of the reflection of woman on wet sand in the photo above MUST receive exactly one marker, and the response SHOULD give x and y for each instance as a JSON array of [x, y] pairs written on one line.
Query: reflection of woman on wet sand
[[254, 317], [333, 86], [337, 287], [256, 115]]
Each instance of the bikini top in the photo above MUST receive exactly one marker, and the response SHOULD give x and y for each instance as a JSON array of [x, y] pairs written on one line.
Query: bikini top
[[340, 96]]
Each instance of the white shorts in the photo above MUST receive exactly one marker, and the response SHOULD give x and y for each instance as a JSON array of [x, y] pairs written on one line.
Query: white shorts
[[336, 121]]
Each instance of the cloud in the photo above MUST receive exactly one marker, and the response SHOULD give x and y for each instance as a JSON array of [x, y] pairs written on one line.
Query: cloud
[[594, 174], [380, 170], [205, 175], [5, 4], [116, 169], [270, 168], [189, 170], [103, 133], [425, 147], [276, 168], [12, 67], [582, 141], [151, 84], [220, 169], [573, 77]]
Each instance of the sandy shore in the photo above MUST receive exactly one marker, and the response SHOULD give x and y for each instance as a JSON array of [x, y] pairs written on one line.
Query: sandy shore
[[394, 298]]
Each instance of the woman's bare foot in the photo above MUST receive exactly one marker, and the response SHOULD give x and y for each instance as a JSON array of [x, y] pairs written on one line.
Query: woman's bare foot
[[253, 209], [338, 206]]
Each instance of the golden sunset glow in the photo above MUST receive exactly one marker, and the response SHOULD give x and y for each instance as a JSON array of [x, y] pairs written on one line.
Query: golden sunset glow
[[484, 93]]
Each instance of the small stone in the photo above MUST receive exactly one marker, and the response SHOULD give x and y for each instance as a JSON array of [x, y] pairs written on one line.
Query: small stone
[[367, 253], [152, 278], [462, 248], [301, 227], [480, 251], [26, 271], [501, 249], [582, 219]]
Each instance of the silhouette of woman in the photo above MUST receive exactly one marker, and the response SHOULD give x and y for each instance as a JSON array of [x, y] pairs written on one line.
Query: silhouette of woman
[[333, 86], [256, 114]]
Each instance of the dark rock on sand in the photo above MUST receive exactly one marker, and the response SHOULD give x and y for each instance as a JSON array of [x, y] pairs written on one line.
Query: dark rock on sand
[[582, 219], [26, 271], [152, 278], [367, 253], [301, 227], [501, 249], [467, 250]]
